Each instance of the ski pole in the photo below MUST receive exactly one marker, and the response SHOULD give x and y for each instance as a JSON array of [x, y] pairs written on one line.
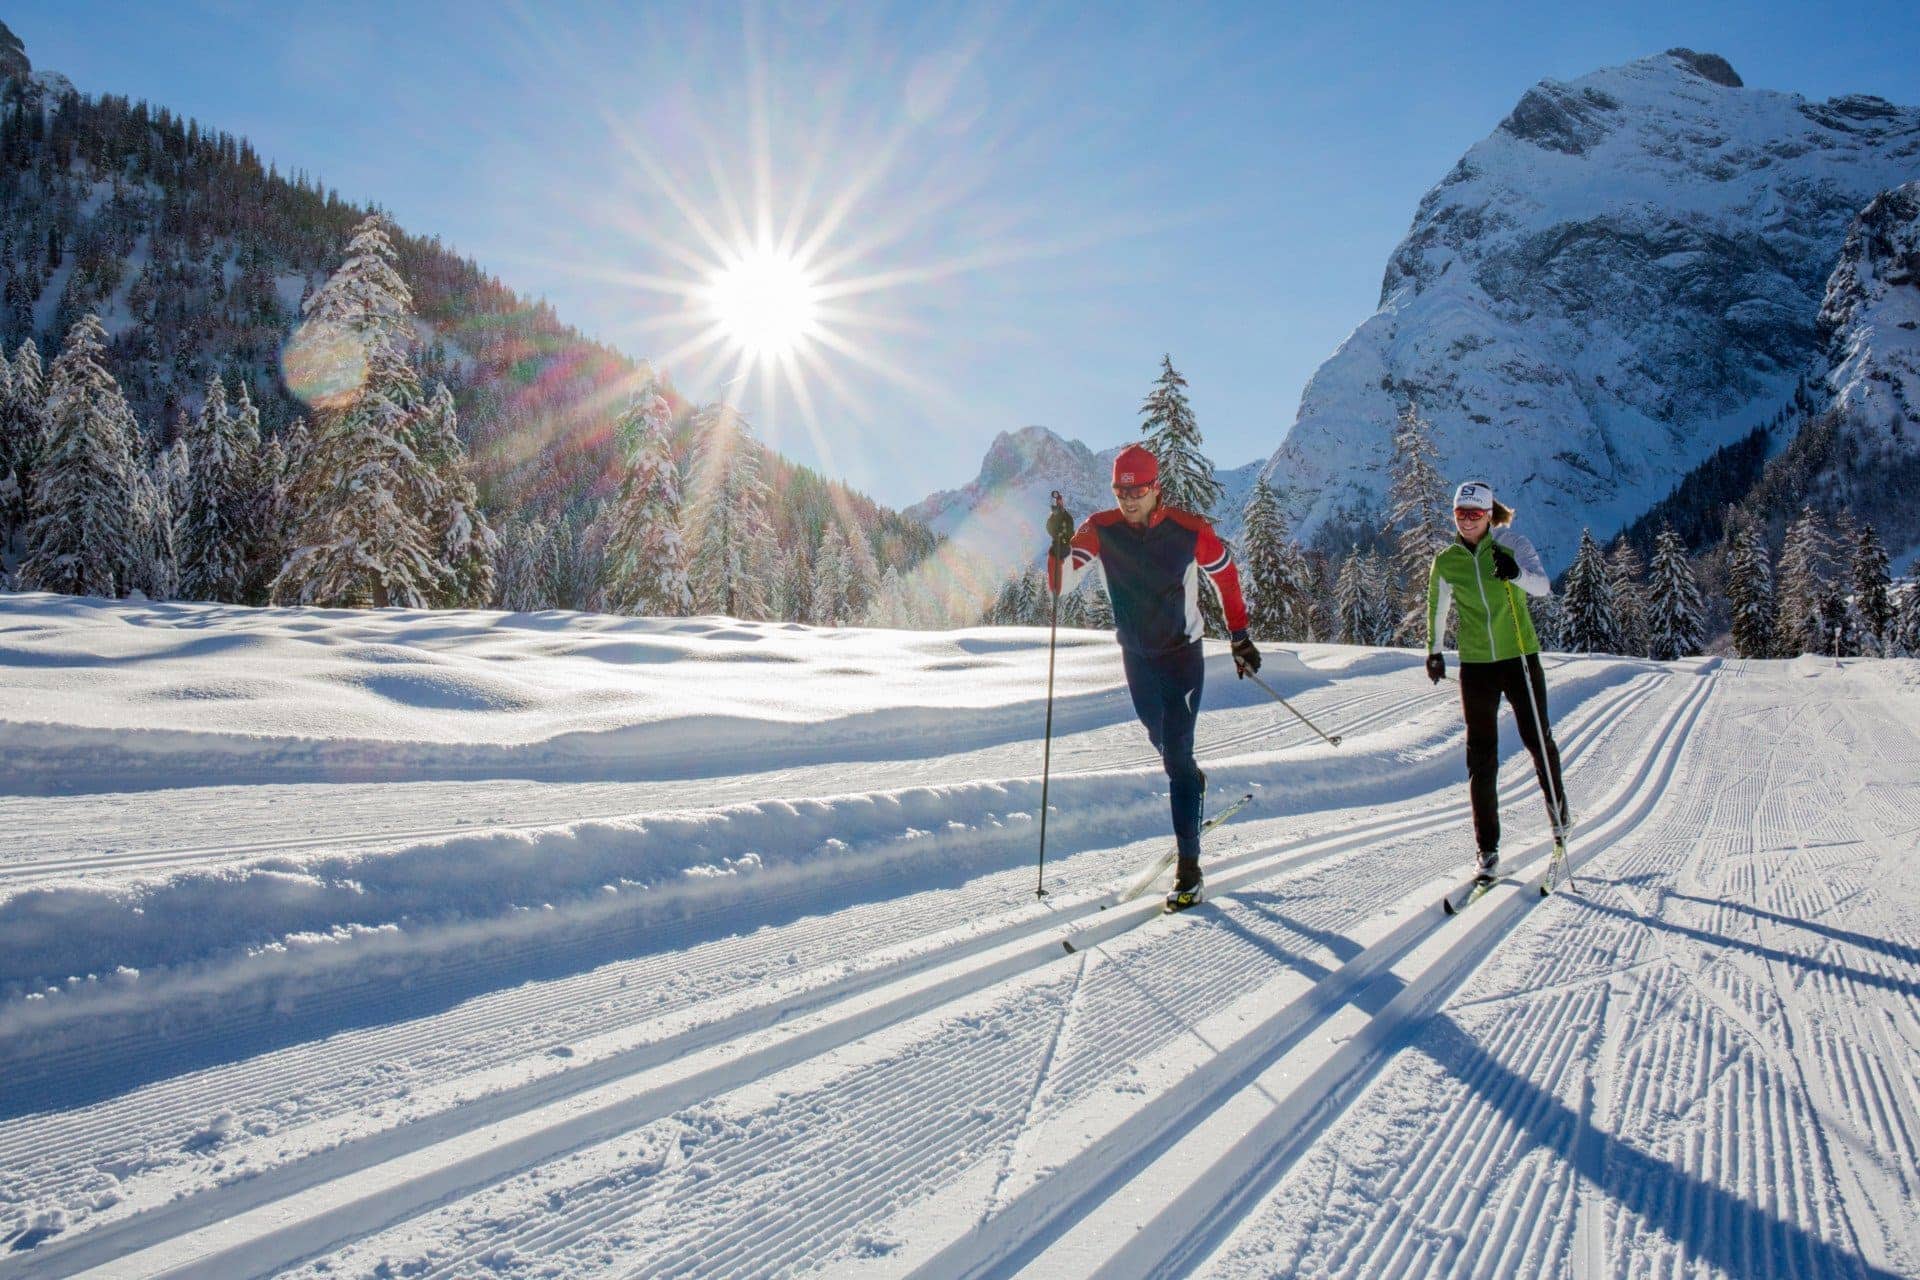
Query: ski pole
[[1540, 732], [1046, 752], [1333, 741]]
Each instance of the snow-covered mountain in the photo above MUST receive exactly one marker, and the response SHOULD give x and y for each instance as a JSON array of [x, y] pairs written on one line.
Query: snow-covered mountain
[[1000, 516], [1872, 317], [1624, 276]]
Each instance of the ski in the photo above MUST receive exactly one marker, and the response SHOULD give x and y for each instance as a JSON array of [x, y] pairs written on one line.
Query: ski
[[1475, 892], [1144, 881]]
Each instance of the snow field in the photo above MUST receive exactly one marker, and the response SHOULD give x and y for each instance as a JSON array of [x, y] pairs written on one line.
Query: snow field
[[869, 1050]]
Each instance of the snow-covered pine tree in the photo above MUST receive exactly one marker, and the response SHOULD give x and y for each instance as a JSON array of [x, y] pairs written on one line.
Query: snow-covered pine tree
[[1591, 625], [728, 509], [520, 577], [832, 577], [1803, 585], [467, 543], [891, 607], [1675, 616], [1273, 570], [1096, 610], [361, 539], [1417, 517], [271, 516], [23, 438], [1626, 579], [1905, 629], [863, 569], [213, 552], [1383, 600], [1870, 587], [1549, 622], [645, 572], [157, 564], [1353, 600], [1750, 591], [83, 527]]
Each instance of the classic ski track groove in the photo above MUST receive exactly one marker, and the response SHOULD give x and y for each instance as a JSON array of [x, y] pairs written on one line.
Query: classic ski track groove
[[822, 940], [1226, 1182], [1037, 934], [1290, 733], [1697, 1054], [38, 1151]]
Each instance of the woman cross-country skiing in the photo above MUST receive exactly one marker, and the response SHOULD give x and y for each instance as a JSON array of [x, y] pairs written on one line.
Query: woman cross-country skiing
[[1152, 557], [1499, 655]]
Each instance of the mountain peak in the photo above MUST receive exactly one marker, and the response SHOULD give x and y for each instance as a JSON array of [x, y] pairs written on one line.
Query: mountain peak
[[13, 55], [1709, 66]]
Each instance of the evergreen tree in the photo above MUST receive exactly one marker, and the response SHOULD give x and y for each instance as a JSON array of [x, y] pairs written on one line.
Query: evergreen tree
[[1591, 625], [362, 539], [863, 570], [1096, 610], [156, 565], [23, 437], [1803, 585], [1675, 618], [1906, 623], [1839, 632], [1173, 437], [1354, 600], [832, 579], [520, 582], [1418, 518], [451, 511], [729, 511], [891, 607], [1275, 571], [1625, 574], [83, 525], [646, 567], [1750, 592], [213, 552], [1870, 587]]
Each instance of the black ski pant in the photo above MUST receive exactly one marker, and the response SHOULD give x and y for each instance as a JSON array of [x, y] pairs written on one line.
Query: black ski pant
[[1524, 685], [1166, 696]]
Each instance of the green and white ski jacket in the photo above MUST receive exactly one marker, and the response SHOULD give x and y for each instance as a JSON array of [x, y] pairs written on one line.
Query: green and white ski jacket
[[1494, 624]]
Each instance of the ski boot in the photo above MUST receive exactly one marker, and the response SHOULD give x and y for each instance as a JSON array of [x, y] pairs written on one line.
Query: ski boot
[[1186, 886], [1486, 867]]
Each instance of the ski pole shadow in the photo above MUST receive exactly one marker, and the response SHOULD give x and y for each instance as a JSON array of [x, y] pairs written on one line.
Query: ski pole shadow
[[1719, 941], [1866, 942], [1709, 1223]]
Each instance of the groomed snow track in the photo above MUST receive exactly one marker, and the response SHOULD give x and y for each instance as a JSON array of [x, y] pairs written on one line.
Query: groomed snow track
[[282, 1215]]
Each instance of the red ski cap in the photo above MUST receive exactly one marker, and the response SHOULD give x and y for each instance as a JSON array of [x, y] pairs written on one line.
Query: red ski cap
[[1135, 466]]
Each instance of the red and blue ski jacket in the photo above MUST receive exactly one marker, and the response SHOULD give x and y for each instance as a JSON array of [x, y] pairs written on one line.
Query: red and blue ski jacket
[[1153, 575]]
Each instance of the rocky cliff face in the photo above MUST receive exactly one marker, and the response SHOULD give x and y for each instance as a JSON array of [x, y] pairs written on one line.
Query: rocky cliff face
[[1871, 317], [1625, 275]]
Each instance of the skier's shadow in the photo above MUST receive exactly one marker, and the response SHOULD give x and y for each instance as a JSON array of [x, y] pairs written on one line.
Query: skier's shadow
[[1866, 942], [1711, 1224]]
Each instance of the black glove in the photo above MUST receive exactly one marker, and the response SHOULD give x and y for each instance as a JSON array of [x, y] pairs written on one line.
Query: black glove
[[1246, 658], [1060, 529], [1436, 668], [1505, 567]]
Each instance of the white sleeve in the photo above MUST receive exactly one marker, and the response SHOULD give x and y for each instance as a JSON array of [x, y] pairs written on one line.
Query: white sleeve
[[1533, 573]]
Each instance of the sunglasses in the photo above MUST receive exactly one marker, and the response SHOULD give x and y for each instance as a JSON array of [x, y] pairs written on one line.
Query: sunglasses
[[1468, 513], [1132, 491]]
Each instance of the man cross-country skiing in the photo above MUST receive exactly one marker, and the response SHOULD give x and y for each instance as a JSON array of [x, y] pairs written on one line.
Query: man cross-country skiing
[[1152, 557], [1499, 655]]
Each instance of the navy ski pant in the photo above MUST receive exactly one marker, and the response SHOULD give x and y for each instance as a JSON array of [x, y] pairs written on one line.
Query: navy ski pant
[[1166, 696], [1482, 685]]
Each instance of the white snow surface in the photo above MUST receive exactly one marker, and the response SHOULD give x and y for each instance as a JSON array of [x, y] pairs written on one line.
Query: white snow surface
[[1624, 276], [387, 943]]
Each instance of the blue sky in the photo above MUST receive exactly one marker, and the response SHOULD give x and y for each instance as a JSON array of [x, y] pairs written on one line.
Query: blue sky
[[1040, 200]]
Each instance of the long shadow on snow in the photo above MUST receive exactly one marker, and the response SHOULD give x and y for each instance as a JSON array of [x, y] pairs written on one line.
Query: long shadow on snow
[[1721, 941], [1866, 942], [1711, 1224], [146, 1050]]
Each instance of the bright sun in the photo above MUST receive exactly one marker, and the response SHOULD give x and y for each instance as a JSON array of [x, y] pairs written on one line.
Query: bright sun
[[765, 303]]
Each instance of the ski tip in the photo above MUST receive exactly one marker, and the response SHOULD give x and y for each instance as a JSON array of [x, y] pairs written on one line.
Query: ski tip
[[1446, 905], [1545, 892], [1068, 944]]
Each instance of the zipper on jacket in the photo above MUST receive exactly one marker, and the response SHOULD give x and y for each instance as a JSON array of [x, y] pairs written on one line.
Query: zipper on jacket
[[1486, 610]]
